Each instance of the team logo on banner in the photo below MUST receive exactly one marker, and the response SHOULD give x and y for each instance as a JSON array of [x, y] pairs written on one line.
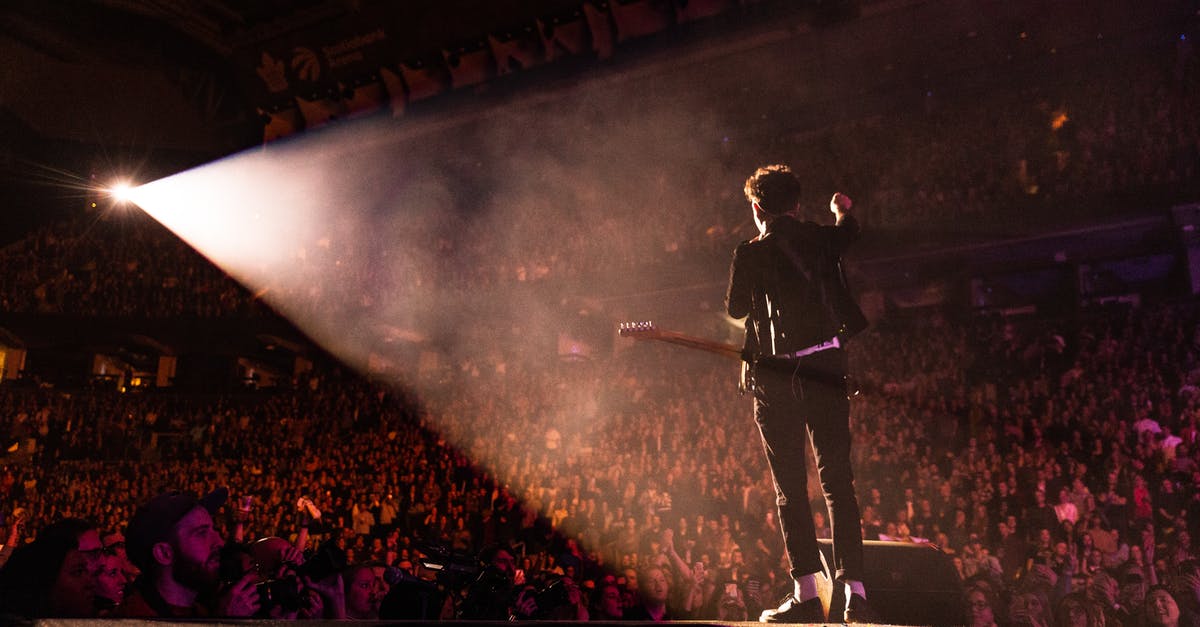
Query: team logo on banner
[[272, 73], [306, 64]]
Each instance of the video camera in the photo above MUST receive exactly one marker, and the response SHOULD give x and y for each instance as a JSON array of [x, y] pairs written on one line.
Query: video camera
[[450, 567], [550, 596]]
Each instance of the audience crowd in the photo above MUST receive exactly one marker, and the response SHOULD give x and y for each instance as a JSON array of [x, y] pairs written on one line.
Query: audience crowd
[[1054, 460]]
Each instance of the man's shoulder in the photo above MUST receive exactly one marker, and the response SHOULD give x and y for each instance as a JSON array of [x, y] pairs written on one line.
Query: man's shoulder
[[137, 606], [807, 232], [748, 248]]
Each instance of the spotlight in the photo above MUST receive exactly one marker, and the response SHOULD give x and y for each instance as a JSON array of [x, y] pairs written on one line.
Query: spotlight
[[120, 191]]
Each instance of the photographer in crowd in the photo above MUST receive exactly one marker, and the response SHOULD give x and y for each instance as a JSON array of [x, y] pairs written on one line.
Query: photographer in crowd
[[172, 540], [495, 594]]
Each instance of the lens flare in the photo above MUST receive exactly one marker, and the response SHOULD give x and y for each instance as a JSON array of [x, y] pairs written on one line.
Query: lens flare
[[121, 191]]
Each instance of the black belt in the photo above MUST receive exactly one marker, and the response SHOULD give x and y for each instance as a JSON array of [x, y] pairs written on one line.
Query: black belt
[[784, 363]]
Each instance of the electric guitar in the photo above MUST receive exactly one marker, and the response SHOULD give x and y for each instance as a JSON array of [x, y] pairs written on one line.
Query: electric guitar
[[647, 331]]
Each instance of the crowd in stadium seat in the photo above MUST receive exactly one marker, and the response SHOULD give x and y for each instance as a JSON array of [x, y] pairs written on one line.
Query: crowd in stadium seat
[[1046, 456], [121, 265]]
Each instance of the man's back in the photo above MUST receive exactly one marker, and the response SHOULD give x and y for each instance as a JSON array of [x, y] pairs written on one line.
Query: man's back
[[789, 283]]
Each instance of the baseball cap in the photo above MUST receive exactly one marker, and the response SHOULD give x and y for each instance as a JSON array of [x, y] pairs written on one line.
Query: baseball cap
[[153, 521]]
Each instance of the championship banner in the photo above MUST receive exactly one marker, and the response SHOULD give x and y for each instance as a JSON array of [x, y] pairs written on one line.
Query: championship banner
[[641, 18], [368, 58], [564, 35], [314, 62], [516, 49]]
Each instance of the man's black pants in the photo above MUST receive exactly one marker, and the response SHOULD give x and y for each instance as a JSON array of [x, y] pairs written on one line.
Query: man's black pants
[[792, 397]]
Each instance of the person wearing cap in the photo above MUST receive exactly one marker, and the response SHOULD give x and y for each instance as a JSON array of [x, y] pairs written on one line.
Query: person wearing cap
[[789, 285], [172, 540]]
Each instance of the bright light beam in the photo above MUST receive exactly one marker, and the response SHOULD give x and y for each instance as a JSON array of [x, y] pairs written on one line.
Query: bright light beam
[[121, 191], [292, 223], [247, 213], [358, 236]]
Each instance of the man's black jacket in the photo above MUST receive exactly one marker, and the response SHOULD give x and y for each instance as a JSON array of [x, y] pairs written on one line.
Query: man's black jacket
[[790, 284]]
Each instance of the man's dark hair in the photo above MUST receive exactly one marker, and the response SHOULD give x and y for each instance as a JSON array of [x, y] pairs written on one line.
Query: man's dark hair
[[774, 188]]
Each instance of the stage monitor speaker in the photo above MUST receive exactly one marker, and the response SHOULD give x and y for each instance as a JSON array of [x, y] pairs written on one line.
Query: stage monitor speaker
[[906, 583], [1187, 220]]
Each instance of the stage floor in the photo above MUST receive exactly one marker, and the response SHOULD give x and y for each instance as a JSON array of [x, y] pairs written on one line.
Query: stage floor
[[127, 622]]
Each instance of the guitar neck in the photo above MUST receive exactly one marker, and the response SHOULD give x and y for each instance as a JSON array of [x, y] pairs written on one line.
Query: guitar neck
[[679, 339]]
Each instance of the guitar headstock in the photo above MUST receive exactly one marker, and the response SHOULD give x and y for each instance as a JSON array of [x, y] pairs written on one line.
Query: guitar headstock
[[637, 329]]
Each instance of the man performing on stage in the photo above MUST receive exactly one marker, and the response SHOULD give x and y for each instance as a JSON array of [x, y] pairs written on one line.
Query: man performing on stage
[[789, 281]]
